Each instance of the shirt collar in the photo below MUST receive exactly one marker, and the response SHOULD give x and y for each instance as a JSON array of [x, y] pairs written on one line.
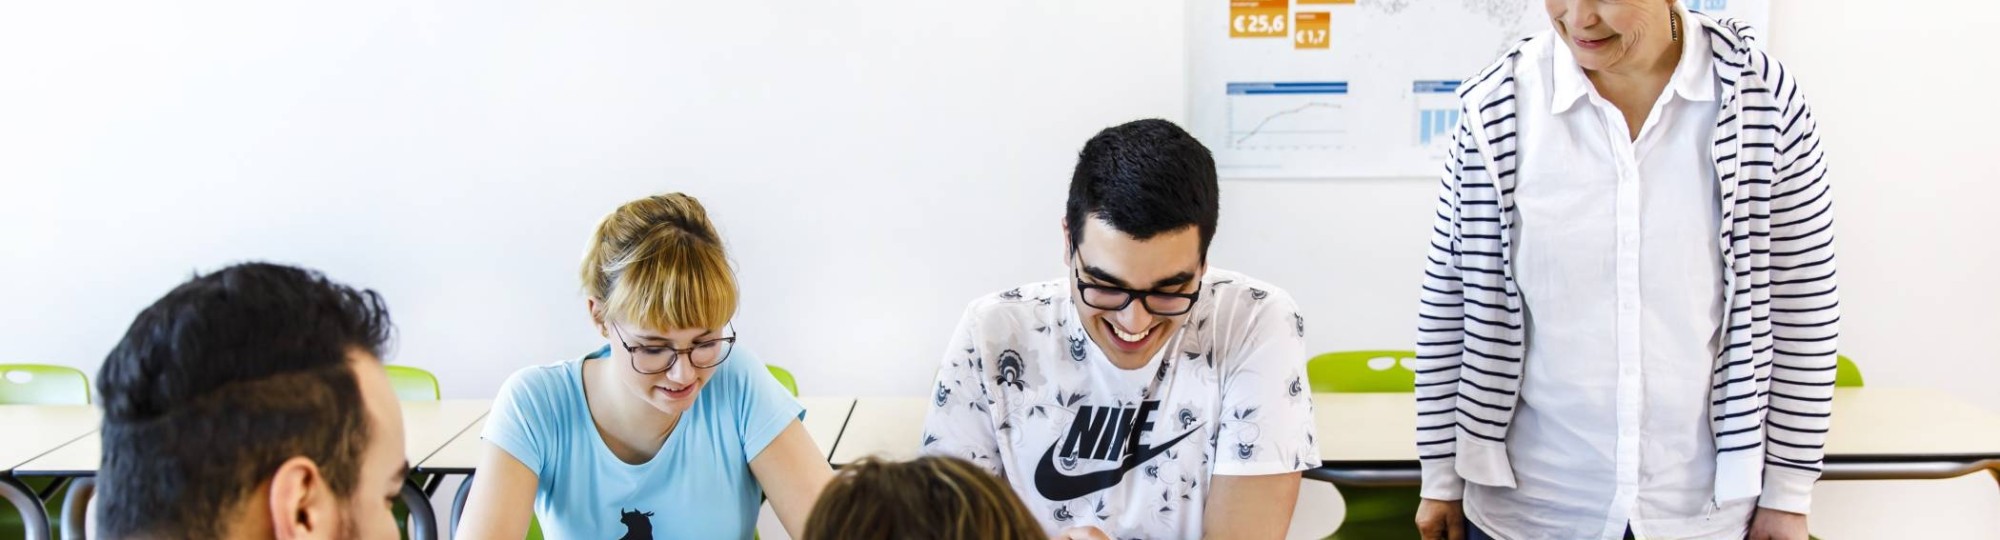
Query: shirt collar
[[1693, 78]]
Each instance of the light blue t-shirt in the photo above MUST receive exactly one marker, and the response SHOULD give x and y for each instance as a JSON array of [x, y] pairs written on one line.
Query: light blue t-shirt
[[698, 486]]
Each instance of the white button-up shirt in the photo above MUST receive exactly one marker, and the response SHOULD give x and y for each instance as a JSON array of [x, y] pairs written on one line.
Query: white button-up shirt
[[1620, 272]]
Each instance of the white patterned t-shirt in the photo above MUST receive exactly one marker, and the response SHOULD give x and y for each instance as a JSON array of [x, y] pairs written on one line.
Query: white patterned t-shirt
[[1025, 393]]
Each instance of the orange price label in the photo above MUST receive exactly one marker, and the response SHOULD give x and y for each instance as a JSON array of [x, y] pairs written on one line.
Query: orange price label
[[1259, 18], [1309, 30]]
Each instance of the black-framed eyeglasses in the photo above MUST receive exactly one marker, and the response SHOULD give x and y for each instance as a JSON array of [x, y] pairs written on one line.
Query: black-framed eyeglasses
[[1109, 298], [651, 360]]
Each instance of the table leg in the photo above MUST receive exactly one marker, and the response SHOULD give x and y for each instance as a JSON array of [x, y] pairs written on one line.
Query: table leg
[[33, 517], [1367, 475], [76, 506], [423, 521], [458, 501], [431, 483]]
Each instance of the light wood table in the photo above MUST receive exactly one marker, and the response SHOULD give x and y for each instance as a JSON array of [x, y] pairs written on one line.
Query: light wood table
[[427, 426], [78, 462], [1369, 439], [77, 459], [1909, 434], [890, 428], [1878, 433], [825, 418], [27, 432], [460, 456]]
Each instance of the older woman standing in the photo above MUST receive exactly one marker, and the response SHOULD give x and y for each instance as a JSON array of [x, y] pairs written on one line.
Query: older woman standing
[[1629, 315]]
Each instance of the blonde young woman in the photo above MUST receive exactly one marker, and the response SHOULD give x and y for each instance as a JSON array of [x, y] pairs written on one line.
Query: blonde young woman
[[673, 429]]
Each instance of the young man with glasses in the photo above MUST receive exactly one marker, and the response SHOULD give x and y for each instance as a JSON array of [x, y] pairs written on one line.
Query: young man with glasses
[[1145, 394], [669, 431]]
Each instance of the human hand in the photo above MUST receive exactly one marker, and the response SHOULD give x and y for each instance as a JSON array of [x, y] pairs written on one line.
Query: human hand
[[1083, 533], [1441, 520], [1770, 524]]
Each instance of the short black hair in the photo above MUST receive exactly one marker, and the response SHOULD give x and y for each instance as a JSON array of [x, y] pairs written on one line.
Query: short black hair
[[221, 381], [1144, 178]]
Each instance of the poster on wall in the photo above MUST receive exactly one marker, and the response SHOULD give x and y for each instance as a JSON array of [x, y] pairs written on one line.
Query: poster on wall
[[1327, 89]]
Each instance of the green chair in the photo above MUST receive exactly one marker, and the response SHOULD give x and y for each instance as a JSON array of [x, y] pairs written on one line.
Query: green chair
[[1372, 512], [1846, 374], [413, 384], [784, 377], [1361, 371], [41, 384]]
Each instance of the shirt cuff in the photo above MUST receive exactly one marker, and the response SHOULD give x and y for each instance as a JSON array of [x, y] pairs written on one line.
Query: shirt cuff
[[1441, 481], [1787, 489]]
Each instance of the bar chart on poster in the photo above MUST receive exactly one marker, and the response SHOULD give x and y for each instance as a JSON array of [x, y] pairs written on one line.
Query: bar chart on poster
[[1327, 89]]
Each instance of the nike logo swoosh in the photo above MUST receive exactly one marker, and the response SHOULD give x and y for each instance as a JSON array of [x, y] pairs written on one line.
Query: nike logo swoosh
[[1056, 486]]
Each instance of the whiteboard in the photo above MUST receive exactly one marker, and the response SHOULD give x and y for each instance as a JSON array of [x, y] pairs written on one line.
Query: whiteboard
[[1322, 89]]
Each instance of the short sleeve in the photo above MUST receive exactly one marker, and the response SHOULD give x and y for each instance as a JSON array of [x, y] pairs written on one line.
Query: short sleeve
[[1267, 415], [525, 417], [960, 422], [764, 408]]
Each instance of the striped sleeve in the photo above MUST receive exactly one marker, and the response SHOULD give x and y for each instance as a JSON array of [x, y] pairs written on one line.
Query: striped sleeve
[[1805, 308], [1441, 332]]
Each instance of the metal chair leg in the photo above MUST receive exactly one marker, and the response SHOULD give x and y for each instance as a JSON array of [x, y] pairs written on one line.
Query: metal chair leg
[[458, 502], [423, 521], [76, 508], [33, 517]]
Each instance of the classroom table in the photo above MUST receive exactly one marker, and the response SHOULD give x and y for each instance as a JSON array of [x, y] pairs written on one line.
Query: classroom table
[[27, 432], [427, 426], [78, 462], [825, 418], [1369, 439], [889, 428]]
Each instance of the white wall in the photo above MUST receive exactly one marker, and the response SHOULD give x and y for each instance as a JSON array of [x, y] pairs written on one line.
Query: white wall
[[873, 165], [1893, 86]]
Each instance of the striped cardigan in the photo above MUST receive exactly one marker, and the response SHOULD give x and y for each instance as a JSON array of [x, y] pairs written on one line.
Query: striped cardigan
[[1773, 378]]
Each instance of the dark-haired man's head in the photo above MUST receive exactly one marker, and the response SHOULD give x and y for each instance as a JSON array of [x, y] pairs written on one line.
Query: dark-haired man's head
[[251, 403], [1142, 210]]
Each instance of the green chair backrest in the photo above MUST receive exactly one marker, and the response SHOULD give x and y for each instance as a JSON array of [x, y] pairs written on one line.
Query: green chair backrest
[[1382, 371], [785, 378], [413, 384], [1361, 371], [1846, 374], [43, 384]]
